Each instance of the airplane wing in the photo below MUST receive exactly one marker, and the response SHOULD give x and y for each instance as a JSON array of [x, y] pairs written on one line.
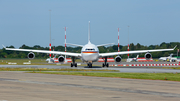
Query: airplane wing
[[45, 51], [132, 52]]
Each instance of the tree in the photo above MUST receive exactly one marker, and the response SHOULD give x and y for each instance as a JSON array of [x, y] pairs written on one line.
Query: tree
[[132, 46], [138, 46]]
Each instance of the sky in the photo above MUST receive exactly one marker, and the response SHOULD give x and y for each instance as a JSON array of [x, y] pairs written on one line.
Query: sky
[[150, 22]]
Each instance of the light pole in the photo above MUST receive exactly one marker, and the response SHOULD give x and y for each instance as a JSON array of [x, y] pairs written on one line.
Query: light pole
[[65, 42], [118, 40], [50, 32], [177, 52], [52, 45], [128, 41]]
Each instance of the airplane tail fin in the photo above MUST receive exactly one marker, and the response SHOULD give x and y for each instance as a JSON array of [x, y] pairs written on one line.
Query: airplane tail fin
[[137, 56], [171, 55], [89, 32]]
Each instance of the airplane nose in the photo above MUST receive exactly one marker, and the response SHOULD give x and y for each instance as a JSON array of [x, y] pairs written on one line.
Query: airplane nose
[[90, 57]]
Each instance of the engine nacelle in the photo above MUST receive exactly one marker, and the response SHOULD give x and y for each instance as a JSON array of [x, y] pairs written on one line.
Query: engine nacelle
[[31, 55], [61, 58], [148, 56], [118, 59]]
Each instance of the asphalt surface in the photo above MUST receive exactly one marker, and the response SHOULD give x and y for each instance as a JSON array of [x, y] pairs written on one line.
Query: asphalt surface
[[121, 69], [19, 86]]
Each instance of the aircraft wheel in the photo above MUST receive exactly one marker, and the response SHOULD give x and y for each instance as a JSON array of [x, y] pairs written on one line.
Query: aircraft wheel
[[107, 65], [71, 65], [90, 65], [103, 65], [75, 64]]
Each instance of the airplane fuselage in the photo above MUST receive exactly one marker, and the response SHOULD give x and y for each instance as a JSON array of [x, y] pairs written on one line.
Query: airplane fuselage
[[90, 53]]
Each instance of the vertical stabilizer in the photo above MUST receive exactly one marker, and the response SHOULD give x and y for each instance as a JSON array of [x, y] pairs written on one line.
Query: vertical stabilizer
[[171, 55], [89, 32], [137, 56]]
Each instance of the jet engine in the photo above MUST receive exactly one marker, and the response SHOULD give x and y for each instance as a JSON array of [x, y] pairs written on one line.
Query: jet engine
[[61, 58], [31, 55], [117, 59], [148, 56]]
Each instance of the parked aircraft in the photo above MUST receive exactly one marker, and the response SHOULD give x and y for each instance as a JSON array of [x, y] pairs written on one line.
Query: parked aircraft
[[169, 58], [132, 59], [89, 53]]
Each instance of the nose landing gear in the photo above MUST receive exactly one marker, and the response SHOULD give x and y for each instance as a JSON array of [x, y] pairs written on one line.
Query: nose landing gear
[[89, 65]]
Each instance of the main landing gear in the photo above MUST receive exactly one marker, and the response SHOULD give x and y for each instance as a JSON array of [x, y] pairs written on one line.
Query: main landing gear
[[73, 64], [89, 65], [105, 64]]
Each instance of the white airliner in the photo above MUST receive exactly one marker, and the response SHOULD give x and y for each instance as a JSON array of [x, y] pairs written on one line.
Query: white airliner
[[169, 58], [165, 58], [132, 59], [89, 53]]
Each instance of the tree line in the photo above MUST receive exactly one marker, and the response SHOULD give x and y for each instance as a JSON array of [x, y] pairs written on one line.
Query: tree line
[[18, 54]]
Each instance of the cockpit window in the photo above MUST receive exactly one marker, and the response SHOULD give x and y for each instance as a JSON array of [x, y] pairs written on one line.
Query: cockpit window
[[90, 49]]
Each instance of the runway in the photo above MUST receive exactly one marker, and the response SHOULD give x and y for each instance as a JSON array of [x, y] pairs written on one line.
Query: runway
[[19, 86], [121, 69]]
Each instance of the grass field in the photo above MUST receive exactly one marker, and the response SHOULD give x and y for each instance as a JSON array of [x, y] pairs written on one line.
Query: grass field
[[21, 61], [33, 61], [5, 61], [47, 69], [149, 76], [100, 73]]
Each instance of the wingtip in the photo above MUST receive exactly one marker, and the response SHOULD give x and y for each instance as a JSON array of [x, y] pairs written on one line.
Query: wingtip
[[174, 47], [3, 46]]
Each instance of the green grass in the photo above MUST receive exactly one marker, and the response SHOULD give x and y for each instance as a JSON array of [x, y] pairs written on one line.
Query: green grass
[[20, 61], [47, 69], [150, 76], [4, 61], [33, 61]]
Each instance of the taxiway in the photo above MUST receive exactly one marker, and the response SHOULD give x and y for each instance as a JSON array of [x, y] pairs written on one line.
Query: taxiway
[[19, 86]]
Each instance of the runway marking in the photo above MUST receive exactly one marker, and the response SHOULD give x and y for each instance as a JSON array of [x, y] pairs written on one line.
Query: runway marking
[[96, 87], [142, 65]]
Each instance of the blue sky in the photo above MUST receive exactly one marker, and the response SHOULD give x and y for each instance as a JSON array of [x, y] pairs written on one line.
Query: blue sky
[[150, 21]]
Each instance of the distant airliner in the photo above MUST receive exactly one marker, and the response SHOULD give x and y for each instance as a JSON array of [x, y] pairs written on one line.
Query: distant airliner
[[169, 58], [89, 53]]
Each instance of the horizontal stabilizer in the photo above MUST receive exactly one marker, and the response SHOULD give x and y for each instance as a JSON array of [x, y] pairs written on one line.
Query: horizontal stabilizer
[[105, 44], [74, 45]]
